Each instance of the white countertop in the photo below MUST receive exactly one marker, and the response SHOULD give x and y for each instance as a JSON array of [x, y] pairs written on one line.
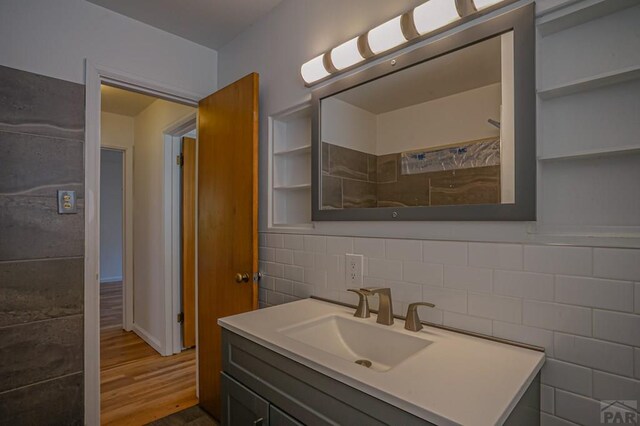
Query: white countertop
[[457, 380]]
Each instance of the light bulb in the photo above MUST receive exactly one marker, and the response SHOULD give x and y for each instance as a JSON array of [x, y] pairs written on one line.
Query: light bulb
[[434, 14], [386, 36], [314, 69], [346, 54]]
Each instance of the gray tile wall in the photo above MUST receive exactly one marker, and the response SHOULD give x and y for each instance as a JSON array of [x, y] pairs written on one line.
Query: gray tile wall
[[41, 252]]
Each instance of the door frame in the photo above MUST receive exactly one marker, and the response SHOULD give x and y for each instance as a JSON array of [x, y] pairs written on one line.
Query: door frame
[[95, 75], [127, 231]]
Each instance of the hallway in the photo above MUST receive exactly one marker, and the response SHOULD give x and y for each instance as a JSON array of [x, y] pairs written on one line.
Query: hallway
[[138, 385]]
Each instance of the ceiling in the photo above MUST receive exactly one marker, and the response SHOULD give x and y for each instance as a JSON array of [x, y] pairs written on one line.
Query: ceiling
[[211, 23], [472, 67], [124, 102]]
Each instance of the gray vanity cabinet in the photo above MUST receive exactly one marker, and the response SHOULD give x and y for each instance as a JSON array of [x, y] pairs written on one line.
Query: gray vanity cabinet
[[262, 387]]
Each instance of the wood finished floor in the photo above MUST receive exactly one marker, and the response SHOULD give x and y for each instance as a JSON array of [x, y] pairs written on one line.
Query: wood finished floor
[[111, 305], [138, 385]]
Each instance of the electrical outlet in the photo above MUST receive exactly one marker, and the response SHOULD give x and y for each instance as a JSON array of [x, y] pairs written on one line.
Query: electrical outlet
[[353, 269]]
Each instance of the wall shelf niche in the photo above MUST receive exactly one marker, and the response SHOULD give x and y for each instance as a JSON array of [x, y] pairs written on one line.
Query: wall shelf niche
[[290, 168]]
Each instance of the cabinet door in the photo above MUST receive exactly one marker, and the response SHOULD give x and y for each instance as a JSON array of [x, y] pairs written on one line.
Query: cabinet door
[[240, 406], [278, 417]]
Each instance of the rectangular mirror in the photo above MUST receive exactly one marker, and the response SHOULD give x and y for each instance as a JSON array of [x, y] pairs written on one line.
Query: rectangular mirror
[[436, 134]]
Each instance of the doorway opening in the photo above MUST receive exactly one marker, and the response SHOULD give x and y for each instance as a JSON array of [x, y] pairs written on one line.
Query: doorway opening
[[147, 368]]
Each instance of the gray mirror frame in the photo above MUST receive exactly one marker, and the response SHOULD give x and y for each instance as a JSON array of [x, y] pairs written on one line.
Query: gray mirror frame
[[521, 22]]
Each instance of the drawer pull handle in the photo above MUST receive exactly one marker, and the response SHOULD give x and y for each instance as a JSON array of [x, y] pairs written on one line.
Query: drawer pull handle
[[258, 422]]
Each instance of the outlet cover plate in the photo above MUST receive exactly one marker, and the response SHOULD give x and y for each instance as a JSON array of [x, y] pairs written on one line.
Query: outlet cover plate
[[353, 269]]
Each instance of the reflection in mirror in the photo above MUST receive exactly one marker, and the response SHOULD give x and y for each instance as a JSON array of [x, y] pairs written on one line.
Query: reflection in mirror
[[437, 133]]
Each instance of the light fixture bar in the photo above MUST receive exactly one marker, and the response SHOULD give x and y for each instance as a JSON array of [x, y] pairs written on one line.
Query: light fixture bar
[[424, 19]]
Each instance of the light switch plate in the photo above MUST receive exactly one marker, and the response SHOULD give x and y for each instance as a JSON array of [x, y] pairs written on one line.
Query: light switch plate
[[67, 202], [353, 269]]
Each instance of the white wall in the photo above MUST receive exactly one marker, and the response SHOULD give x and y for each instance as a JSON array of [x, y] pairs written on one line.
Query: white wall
[[148, 217], [348, 126], [54, 37], [575, 300], [457, 118], [111, 215]]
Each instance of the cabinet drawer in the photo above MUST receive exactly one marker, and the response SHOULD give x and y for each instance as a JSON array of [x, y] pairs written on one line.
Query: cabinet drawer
[[241, 406]]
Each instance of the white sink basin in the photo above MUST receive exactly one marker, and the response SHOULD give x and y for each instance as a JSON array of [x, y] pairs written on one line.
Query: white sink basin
[[371, 345]]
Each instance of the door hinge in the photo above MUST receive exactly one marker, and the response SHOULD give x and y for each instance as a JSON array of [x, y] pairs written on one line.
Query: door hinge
[[180, 160], [181, 317]]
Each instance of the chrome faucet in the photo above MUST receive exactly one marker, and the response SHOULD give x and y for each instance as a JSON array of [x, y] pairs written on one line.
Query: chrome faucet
[[412, 323], [363, 303], [385, 306]]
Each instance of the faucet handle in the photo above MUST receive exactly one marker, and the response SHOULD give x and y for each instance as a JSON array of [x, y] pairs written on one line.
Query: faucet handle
[[412, 323], [363, 302]]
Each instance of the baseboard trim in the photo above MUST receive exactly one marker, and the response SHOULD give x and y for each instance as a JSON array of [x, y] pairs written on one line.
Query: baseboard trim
[[147, 337]]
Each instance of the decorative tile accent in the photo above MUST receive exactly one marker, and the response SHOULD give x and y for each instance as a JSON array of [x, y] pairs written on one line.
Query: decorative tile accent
[[40, 351], [40, 105], [38, 290]]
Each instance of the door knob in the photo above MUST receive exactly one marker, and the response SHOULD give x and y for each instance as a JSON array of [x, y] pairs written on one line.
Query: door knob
[[242, 278]]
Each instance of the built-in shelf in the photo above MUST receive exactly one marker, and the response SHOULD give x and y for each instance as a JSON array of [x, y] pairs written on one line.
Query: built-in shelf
[[575, 12], [294, 187], [290, 168], [300, 150], [593, 153], [590, 83]]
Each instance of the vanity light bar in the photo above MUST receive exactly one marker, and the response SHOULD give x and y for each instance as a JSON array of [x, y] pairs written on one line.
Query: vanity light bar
[[427, 17]]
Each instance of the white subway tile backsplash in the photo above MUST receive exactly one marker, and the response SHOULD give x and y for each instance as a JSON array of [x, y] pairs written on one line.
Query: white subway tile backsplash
[[275, 240], [370, 247], [528, 285], [554, 316], [564, 375], [445, 298], [295, 273], [617, 327], [432, 315], [621, 264], [468, 278], [405, 292], [637, 298], [558, 260], [582, 410], [315, 277], [302, 290], [466, 322], [408, 250], [339, 245], [262, 239], [594, 353], [315, 243], [267, 254], [274, 269], [498, 256], [423, 273], [336, 272], [636, 362], [550, 420], [547, 397], [612, 387], [524, 334], [284, 256], [501, 308], [386, 269], [303, 258], [274, 298], [284, 286], [595, 292], [267, 282], [293, 242], [447, 252]]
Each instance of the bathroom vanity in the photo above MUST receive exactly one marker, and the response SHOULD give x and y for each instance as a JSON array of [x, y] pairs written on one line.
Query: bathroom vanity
[[311, 362]]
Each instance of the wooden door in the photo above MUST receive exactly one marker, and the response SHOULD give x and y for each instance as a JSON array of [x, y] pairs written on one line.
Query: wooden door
[[227, 221], [188, 242]]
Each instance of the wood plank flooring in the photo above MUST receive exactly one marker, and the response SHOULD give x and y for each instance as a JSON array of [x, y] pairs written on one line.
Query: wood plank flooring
[[138, 385], [111, 305]]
